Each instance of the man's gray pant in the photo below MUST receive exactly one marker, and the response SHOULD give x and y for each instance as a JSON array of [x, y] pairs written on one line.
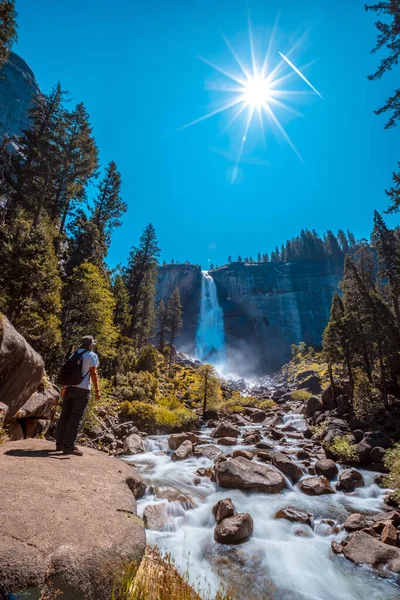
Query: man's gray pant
[[74, 404]]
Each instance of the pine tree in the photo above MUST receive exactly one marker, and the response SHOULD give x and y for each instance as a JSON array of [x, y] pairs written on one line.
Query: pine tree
[[8, 28], [352, 240], [89, 309], [30, 285], [85, 243], [229, 259], [337, 337], [162, 324], [259, 257], [343, 242], [108, 204], [174, 319], [365, 264], [331, 244], [122, 313], [388, 252], [208, 390], [239, 259], [140, 279]]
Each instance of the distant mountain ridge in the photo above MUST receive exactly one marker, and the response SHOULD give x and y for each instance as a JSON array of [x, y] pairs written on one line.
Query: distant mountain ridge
[[18, 86]]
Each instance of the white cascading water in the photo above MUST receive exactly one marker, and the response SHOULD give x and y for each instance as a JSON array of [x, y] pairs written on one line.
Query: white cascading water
[[210, 337]]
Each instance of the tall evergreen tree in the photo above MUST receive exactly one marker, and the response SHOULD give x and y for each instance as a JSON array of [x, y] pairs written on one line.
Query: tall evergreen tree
[[337, 337], [85, 243], [108, 204], [162, 324], [388, 252], [331, 244], [122, 312], [365, 264], [343, 242], [8, 28]]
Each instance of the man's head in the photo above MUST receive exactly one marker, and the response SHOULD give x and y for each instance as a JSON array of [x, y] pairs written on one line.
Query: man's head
[[88, 342]]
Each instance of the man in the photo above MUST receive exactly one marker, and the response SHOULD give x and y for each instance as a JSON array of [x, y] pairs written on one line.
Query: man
[[76, 398]]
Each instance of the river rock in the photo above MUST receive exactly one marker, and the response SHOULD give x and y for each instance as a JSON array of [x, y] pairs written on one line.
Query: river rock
[[312, 384], [377, 455], [264, 446], [315, 486], [227, 441], [264, 456], [255, 414], [337, 547], [313, 405], [327, 398], [134, 444], [223, 510], [234, 529], [349, 480], [21, 369], [225, 429], [392, 516], [155, 517], [294, 515], [389, 535], [173, 495], [363, 549], [125, 429], [251, 439], [136, 484], [240, 473], [243, 453], [356, 521], [183, 451], [276, 434], [326, 467], [287, 466], [176, 439], [208, 451]]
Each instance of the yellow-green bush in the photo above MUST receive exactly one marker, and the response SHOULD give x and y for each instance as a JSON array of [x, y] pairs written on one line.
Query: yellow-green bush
[[343, 449], [148, 360], [167, 413], [266, 404], [302, 395], [143, 415], [392, 463], [136, 386], [368, 401]]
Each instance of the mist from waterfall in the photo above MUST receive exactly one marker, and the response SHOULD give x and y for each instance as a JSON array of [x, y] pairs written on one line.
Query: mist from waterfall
[[210, 337]]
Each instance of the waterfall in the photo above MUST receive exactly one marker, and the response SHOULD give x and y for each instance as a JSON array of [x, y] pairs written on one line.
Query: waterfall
[[210, 342]]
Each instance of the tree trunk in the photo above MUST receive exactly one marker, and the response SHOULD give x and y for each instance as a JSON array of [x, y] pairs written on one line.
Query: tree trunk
[[331, 380], [205, 393]]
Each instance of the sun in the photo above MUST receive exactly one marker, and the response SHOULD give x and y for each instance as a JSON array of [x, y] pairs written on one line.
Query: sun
[[256, 91]]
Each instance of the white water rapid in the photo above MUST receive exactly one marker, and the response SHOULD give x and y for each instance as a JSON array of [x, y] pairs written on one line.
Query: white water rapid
[[210, 337], [282, 560]]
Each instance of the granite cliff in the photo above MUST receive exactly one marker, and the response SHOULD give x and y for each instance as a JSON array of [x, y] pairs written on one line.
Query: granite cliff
[[267, 307], [17, 88]]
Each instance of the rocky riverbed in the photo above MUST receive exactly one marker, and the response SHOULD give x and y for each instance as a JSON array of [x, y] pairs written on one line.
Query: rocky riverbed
[[303, 540]]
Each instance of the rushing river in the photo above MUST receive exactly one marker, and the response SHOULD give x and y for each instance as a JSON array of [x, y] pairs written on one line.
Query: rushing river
[[282, 560]]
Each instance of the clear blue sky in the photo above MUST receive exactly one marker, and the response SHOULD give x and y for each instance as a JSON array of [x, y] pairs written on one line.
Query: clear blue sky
[[135, 66]]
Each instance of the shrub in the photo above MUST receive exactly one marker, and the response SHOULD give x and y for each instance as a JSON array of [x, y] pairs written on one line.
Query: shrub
[[143, 415], [170, 412], [343, 449], [302, 395], [392, 463], [266, 404], [136, 386], [368, 400], [148, 360]]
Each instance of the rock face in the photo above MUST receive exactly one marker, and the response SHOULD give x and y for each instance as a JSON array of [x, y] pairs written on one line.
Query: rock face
[[70, 519], [21, 369], [35, 417], [17, 88], [268, 306], [240, 473], [234, 529]]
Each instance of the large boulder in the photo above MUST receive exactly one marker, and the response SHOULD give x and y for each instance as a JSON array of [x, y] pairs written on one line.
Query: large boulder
[[287, 466], [223, 510], [312, 384], [364, 549], [227, 441], [349, 480], [256, 415], [136, 484], [356, 522], [174, 495], [294, 515], [69, 521], [176, 439], [240, 473], [327, 398], [35, 416], [225, 429], [313, 405], [134, 444], [21, 369], [234, 529], [326, 467], [209, 451], [155, 516], [315, 486], [183, 452]]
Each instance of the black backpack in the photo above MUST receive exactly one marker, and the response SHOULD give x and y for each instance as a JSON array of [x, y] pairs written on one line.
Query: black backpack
[[71, 371]]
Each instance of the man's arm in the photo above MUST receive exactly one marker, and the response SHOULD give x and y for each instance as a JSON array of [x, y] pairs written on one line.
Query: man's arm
[[95, 379]]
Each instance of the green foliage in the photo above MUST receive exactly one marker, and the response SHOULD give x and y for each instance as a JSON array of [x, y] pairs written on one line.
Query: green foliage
[[122, 314], [8, 28], [368, 401], [136, 386], [172, 413], [108, 205], [392, 464], [208, 389], [148, 360], [143, 415], [302, 395], [30, 285], [266, 404], [89, 307], [343, 449]]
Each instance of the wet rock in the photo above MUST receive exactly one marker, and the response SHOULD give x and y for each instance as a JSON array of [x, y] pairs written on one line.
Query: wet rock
[[227, 441], [155, 517], [203, 472], [313, 405], [220, 459], [234, 529], [303, 455], [389, 535], [327, 398], [125, 429], [276, 434], [315, 486], [355, 522], [225, 429], [377, 454], [136, 484], [392, 516], [223, 510], [349, 480], [134, 444], [294, 514], [173, 495], [242, 453], [337, 547], [240, 473], [255, 414], [176, 439], [326, 467], [183, 451], [363, 549], [264, 456], [287, 466], [312, 384], [358, 435], [252, 439], [208, 451]]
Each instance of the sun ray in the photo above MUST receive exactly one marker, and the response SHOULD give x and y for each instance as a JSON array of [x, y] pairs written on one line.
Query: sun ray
[[270, 44], [244, 137], [271, 113], [251, 42], [285, 107], [235, 116], [223, 71], [236, 57], [211, 114]]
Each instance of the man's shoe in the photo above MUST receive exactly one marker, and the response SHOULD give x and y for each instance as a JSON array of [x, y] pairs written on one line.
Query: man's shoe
[[74, 452], [59, 448]]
